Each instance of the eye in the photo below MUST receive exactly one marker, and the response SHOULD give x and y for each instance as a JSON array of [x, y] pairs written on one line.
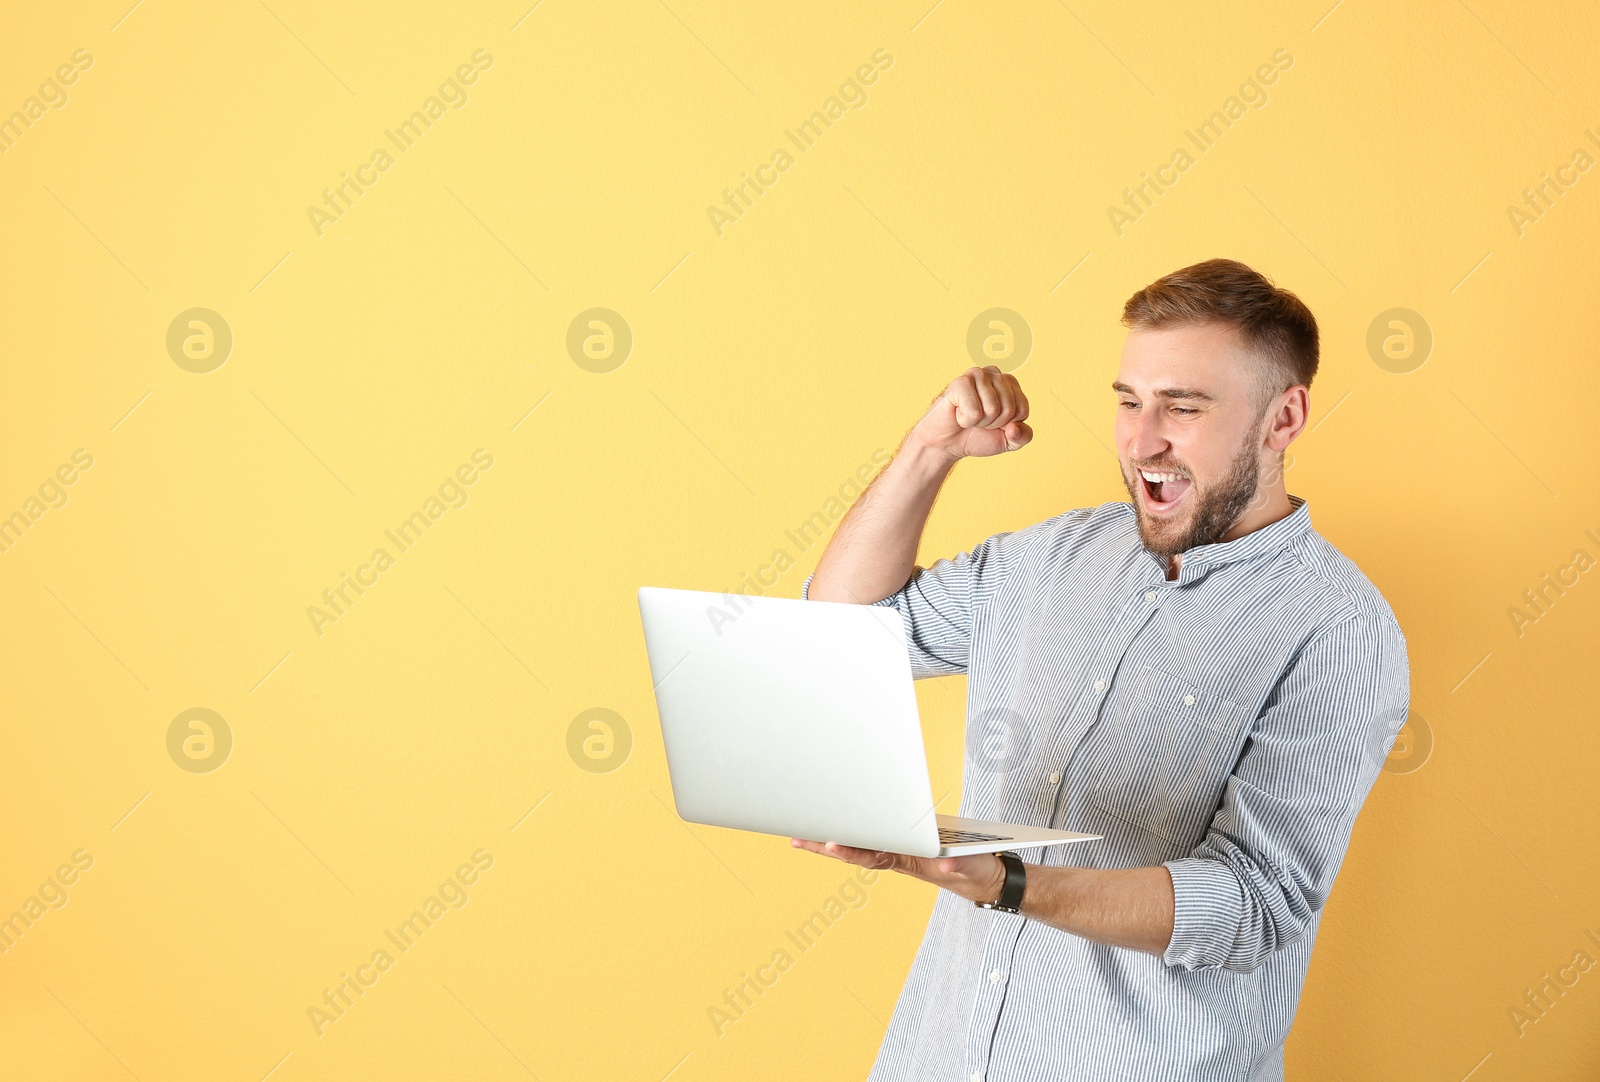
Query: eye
[[1128, 405], [1183, 409]]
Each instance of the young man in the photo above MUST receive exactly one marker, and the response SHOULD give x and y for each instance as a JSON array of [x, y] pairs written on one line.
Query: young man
[[1197, 675]]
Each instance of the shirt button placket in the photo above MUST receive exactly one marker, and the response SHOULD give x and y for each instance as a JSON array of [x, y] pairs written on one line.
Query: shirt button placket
[[991, 993]]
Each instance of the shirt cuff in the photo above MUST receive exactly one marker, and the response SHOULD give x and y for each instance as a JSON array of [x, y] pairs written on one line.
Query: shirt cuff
[[1207, 908]]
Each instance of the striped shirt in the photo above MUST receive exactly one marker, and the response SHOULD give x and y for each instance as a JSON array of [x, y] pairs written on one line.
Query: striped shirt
[[1227, 725]]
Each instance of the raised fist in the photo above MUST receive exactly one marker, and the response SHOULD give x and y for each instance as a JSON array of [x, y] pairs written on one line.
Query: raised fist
[[980, 414]]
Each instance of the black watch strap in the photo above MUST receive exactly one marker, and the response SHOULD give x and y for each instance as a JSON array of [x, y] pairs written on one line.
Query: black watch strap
[[1010, 900]]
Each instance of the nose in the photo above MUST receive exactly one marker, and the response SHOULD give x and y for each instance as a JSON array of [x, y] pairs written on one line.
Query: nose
[[1147, 440]]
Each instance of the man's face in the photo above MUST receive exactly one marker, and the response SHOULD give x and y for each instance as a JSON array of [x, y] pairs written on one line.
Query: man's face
[[1185, 408]]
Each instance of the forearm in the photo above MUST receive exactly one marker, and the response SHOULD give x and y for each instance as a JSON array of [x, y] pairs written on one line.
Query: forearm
[[981, 413], [875, 548], [1124, 907]]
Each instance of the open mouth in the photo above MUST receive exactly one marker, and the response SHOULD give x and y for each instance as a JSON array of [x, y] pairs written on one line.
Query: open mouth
[[1163, 489]]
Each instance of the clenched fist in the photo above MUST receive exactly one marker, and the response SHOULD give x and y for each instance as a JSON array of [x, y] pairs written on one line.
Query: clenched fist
[[980, 414]]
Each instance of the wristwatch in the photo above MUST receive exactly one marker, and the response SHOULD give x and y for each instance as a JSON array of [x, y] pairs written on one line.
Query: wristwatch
[[1010, 900]]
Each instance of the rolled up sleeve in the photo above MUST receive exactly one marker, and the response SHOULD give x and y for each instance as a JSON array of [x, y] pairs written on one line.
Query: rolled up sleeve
[[940, 603], [1268, 861]]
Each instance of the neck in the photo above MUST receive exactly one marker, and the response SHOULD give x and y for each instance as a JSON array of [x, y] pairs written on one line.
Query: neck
[[1272, 504]]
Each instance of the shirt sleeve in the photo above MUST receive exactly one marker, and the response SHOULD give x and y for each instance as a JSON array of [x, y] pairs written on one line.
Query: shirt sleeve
[[1267, 864], [938, 604]]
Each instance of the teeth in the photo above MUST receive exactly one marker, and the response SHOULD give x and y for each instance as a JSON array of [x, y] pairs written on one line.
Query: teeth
[[1154, 478]]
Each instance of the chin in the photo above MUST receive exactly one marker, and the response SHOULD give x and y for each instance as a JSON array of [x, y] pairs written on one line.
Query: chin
[[1162, 541], [1163, 535]]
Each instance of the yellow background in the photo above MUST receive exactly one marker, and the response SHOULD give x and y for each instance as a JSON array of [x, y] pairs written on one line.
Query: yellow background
[[768, 364]]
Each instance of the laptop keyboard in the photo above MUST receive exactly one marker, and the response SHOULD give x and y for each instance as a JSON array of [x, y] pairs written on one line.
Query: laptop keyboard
[[952, 836]]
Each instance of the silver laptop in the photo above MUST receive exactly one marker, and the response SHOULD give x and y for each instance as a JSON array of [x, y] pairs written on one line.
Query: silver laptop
[[798, 718]]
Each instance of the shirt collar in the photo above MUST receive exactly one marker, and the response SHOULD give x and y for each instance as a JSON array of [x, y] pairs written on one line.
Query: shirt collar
[[1202, 558]]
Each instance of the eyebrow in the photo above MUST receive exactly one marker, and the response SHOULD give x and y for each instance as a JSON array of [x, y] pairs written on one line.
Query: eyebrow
[[1166, 392]]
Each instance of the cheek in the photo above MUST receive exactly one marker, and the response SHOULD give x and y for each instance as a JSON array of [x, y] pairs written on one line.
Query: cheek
[[1214, 464]]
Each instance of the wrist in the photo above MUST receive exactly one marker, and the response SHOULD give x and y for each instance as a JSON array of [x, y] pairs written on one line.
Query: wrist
[[1013, 885], [924, 461], [996, 882]]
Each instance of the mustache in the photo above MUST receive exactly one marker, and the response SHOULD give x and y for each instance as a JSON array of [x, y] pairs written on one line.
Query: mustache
[[1163, 468]]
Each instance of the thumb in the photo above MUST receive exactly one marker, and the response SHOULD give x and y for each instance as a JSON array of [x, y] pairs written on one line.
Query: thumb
[[1018, 435]]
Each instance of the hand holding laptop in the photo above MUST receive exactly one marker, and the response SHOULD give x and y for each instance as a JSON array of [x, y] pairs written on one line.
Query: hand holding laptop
[[977, 878]]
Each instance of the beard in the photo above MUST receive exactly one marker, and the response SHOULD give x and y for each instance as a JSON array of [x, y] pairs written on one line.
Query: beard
[[1213, 510]]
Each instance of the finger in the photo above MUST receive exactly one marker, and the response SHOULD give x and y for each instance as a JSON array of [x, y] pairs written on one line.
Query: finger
[[866, 858], [876, 859], [1018, 436], [984, 383], [969, 407], [845, 853], [1020, 399], [1008, 399], [810, 846], [826, 849], [852, 852]]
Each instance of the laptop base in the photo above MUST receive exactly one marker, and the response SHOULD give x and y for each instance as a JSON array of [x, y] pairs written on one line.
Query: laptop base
[[961, 837]]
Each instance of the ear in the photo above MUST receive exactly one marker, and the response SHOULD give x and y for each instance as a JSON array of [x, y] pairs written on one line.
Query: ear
[[1288, 417]]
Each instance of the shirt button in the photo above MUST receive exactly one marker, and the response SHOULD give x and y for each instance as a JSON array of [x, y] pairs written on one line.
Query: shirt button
[[1055, 777], [994, 976], [1099, 685], [976, 1076], [1188, 700], [1149, 595]]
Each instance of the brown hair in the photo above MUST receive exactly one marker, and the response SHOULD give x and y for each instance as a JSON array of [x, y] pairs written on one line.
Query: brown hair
[[1273, 323]]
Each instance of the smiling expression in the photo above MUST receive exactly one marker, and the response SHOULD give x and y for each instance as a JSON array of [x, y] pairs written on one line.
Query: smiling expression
[[1189, 433]]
